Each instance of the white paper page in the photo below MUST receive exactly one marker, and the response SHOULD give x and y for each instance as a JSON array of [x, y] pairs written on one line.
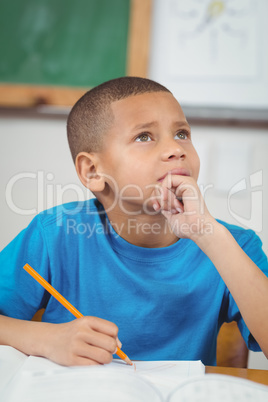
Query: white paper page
[[164, 375], [96, 384], [11, 360], [40, 379], [220, 388], [167, 375], [165, 369]]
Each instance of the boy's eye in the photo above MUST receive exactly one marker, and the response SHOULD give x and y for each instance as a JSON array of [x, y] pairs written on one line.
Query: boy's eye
[[144, 137], [182, 135]]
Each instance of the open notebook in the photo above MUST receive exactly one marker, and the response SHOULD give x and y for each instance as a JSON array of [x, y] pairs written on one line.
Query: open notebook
[[35, 379]]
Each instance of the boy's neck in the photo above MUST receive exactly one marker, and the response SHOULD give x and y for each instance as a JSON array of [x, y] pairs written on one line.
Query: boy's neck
[[142, 230]]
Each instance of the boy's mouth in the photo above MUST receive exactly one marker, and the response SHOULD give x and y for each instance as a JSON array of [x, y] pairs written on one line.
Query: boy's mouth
[[177, 171]]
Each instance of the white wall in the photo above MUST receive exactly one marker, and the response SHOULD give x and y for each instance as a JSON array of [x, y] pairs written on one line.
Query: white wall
[[36, 148], [234, 169], [37, 170]]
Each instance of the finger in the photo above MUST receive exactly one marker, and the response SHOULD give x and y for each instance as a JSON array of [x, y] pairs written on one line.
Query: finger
[[185, 189], [99, 340], [97, 332], [172, 182], [82, 361], [169, 186], [156, 205], [156, 193], [179, 206], [171, 203], [94, 354], [156, 197], [164, 196], [165, 190], [102, 326], [89, 357]]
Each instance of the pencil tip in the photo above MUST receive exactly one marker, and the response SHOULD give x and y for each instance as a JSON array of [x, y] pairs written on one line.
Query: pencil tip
[[128, 361]]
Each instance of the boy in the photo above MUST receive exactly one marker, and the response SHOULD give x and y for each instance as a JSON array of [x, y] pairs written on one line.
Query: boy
[[144, 256]]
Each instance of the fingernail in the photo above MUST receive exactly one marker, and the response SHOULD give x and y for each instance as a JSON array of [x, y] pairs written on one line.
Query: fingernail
[[155, 206]]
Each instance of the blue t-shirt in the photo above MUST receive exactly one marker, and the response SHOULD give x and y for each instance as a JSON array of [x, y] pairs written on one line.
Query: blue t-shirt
[[168, 303]]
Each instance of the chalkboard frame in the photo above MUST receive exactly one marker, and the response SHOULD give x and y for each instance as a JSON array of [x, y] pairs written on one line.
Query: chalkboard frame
[[58, 97]]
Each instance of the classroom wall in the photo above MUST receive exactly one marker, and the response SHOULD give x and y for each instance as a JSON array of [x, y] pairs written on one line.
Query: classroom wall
[[37, 172]]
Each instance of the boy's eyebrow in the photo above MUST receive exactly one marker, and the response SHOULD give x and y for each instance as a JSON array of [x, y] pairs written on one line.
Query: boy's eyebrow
[[181, 124], [145, 125]]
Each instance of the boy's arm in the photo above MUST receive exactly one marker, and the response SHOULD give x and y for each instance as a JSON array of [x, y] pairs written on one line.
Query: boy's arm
[[181, 202], [84, 341], [246, 282]]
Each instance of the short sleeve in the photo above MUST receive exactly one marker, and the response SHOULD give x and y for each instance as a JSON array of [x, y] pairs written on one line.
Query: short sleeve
[[20, 295]]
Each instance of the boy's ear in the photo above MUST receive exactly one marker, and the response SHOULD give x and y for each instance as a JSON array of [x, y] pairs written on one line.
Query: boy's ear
[[87, 169]]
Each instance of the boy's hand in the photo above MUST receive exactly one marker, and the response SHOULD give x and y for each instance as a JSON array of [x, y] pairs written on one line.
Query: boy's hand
[[84, 341], [179, 199]]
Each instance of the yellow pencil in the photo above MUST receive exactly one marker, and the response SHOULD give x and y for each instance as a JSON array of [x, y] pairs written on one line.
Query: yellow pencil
[[66, 304]]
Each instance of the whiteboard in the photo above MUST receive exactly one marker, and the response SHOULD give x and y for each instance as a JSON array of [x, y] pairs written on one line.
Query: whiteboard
[[212, 55]]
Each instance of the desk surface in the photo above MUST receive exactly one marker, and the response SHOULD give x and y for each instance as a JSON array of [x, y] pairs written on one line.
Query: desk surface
[[260, 376]]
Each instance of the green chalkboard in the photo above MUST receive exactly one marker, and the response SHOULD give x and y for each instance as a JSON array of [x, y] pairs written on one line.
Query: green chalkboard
[[63, 42]]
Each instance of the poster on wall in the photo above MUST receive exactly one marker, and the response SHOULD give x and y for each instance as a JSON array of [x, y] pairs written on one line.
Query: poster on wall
[[213, 55]]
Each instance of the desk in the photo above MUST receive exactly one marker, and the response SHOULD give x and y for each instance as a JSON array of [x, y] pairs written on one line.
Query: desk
[[260, 376]]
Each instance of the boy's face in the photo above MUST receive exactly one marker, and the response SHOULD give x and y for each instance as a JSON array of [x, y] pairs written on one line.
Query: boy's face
[[150, 138]]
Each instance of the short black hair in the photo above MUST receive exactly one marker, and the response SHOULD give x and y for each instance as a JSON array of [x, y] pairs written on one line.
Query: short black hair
[[92, 116]]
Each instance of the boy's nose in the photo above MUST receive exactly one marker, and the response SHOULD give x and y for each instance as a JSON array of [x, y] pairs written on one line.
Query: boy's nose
[[173, 151]]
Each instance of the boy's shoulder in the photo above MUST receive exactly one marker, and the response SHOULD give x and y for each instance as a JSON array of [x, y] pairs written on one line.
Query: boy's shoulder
[[79, 211]]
